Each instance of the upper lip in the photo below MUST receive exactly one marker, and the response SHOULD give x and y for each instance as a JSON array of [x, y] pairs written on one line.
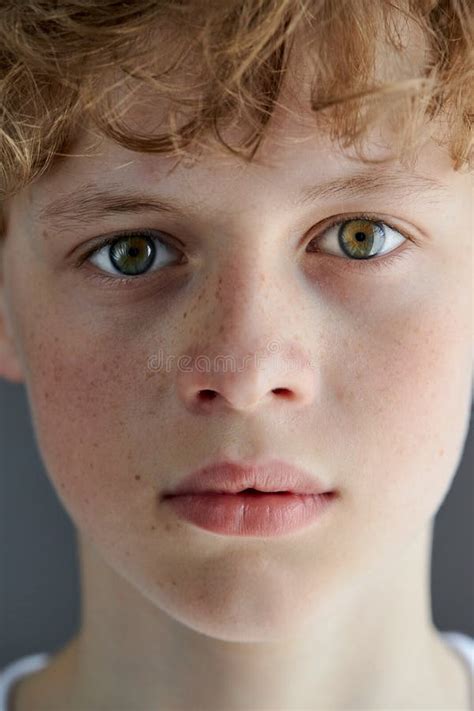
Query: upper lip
[[230, 477]]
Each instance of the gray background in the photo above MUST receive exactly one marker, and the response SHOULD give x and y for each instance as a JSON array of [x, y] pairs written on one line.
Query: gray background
[[39, 577]]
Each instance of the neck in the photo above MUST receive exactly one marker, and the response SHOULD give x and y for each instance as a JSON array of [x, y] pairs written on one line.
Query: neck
[[372, 648]]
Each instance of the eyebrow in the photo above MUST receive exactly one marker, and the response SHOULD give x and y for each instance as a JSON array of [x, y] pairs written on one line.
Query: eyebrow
[[92, 202], [400, 185]]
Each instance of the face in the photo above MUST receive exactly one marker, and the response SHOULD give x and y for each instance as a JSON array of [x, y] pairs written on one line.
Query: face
[[376, 355]]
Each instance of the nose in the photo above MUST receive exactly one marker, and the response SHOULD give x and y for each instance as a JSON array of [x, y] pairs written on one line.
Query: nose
[[244, 384], [249, 360]]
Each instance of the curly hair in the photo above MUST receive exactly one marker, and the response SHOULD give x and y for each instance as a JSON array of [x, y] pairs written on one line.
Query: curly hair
[[213, 62]]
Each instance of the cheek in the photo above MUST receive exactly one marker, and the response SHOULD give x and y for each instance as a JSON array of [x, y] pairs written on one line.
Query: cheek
[[404, 403], [393, 410], [425, 400], [98, 424], [82, 407]]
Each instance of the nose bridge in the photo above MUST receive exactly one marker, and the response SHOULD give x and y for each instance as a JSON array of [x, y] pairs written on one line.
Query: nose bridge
[[243, 299], [245, 306], [246, 346]]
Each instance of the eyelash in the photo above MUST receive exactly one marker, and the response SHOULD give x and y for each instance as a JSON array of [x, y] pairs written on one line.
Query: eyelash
[[374, 264]]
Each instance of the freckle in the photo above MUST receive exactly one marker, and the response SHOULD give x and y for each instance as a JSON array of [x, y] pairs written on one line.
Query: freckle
[[185, 314], [167, 527], [441, 452], [137, 476], [153, 528]]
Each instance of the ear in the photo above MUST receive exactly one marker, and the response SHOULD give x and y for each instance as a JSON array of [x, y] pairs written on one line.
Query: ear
[[10, 367]]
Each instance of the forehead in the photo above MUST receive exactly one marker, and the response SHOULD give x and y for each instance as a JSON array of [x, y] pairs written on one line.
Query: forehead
[[295, 161], [206, 193], [295, 148], [84, 190]]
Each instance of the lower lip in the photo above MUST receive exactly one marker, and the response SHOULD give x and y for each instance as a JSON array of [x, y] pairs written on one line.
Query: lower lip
[[256, 514]]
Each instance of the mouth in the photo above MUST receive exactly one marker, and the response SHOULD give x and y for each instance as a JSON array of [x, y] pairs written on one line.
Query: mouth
[[243, 492], [250, 512], [228, 477], [252, 492]]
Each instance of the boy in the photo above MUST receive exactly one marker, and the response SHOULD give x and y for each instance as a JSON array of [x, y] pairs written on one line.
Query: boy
[[330, 266]]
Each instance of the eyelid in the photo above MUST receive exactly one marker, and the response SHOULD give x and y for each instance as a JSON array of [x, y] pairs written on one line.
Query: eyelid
[[154, 235], [331, 222], [377, 263], [348, 217]]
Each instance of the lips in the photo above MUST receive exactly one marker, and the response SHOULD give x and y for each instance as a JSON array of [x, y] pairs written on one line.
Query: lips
[[229, 477]]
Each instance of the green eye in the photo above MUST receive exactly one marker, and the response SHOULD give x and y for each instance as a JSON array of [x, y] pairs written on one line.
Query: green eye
[[360, 239], [132, 255]]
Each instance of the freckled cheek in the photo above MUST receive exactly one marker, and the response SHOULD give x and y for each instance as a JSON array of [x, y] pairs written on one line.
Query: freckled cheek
[[89, 392], [86, 412], [419, 397]]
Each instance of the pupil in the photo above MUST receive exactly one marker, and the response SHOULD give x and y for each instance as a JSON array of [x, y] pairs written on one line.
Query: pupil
[[133, 251], [360, 236]]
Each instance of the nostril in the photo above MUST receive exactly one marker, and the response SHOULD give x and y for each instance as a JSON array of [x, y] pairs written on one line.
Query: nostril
[[282, 391], [207, 394]]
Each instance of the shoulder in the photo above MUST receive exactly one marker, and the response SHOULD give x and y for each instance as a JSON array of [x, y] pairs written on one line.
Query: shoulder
[[463, 643], [17, 669]]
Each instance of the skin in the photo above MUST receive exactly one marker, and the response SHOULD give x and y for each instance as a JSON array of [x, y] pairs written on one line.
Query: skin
[[338, 615]]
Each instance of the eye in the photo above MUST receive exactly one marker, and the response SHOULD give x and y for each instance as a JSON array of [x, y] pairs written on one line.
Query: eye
[[132, 254], [358, 238]]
